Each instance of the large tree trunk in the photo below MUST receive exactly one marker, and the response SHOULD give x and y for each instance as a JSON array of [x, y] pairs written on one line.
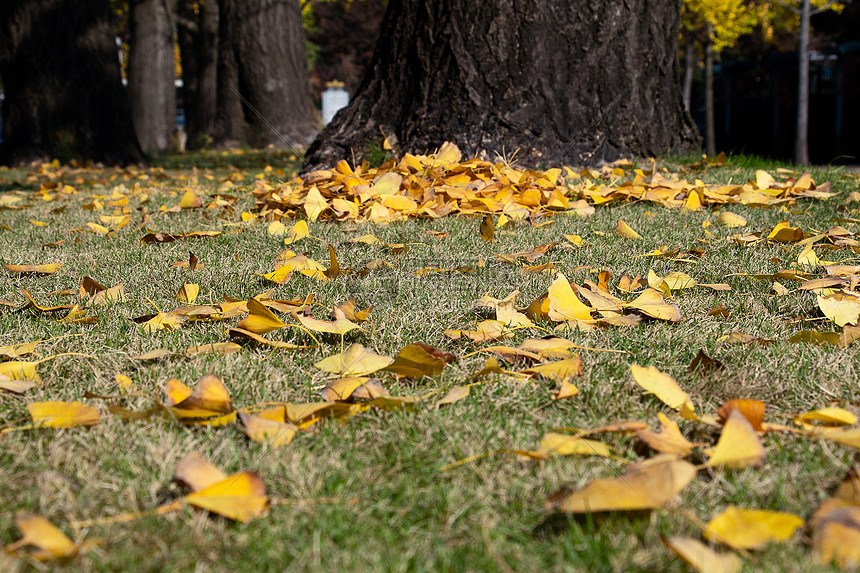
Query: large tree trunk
[[801, 145], [561, 81], [198, 42], [60, 71], [263, 91], [151, 72]]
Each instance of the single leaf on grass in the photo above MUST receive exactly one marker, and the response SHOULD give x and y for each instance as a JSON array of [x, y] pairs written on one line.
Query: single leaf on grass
[[196, 473], [550, 348], [190, 200], [349, 310], [333, 270], [297, 232], [814, 337], [345, 388], [827, 417], [662, 386], [314, 204], [567, 390], [241, 497], [341, 325], [850, 438], [48, 269], [261, 430], [849, 335], [623, 230], [418, 359], [455, 394], [219, 348], [260, 319], [704, 364], [651, 303], [156, 354], [741, 528], [355, 361], [15, 386], [488, 229], [52, 543], [560, 371], [124, 382], [731, 220], [563, 303], [556, 444], [188, 293], [785, 233], [669, 440], [486, 330], [192, 263], [643, 486], [841, 308], [209, 397], [702, 558], [57, 414], [738, 446]]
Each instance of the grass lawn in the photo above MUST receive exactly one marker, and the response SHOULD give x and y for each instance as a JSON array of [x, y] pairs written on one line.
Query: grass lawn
[[371, 491]]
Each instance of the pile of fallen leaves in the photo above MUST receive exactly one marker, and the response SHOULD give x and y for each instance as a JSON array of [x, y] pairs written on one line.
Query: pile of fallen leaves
[[430, 187]]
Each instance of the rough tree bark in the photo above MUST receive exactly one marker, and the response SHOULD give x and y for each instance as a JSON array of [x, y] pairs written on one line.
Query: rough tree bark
[[198, 43], [151, 72], [60, 71], [562, 81], [263, 92]]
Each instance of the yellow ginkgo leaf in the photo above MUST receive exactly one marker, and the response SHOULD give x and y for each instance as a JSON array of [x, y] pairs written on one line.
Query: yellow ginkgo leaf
[[355, 361], [57, 414], [727, 219], [763, 179], [661, 385], [837, 537], [624, 230], [841, 308], [276, 229], [297, 232], [196, 473], [669, 440], [188, 293], [784, 233], [828, 417], [643, 486], [190, 200], [387, 183], [556, 444], [264, 431], [34, 269], [260, 319], [560, 371], [488, 229], [563, 303], [241, 497], [52, 543], [651, 303], [702, 558], [209, 397], [315, 204], [751, 528], [418, 360], [343, 388], [341, 325], [738, 446], [455, 394]]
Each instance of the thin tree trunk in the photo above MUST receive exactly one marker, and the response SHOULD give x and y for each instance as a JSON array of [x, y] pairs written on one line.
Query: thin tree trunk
[[710, 136], [490, 77], [801, 143], [689, 62], [198, 41], [60, 71], [263, 91], [151, 72]]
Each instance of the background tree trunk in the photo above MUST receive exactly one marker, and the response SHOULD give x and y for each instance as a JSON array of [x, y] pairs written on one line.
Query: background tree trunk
[[262, 59], [60, 70], [151, 72], [689, 62], [801, 145], [561, 81], [710, 137], [198, 42]]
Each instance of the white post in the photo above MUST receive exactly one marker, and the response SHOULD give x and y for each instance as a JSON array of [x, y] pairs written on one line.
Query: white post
[[334, 98]]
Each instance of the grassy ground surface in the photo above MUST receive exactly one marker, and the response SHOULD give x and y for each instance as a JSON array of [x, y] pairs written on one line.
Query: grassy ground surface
[[408, 515]]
